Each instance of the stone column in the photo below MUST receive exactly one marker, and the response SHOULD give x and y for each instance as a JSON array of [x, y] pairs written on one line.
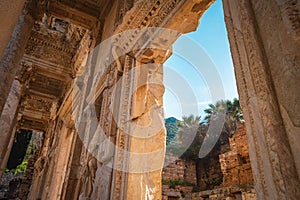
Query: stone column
[[13, 54], [140, 142], [70, 191], [62, 168], [147, 135], [7, 123], [8, 10], [265, 55]]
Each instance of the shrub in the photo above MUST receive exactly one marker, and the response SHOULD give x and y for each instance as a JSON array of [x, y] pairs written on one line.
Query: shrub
[[20, 168]]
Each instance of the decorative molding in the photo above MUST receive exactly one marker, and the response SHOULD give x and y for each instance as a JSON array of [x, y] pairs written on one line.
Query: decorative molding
[[121, 159], [36, 103], [47, 68], [54, 46], [290, 11], [123, 7], [81, 55], [25, 72]]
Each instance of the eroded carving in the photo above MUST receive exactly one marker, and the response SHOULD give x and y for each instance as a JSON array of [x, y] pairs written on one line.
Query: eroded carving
[[290, 11]]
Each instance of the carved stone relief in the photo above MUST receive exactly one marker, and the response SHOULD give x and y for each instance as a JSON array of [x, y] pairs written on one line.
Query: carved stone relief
[[265, 129], [290, 11]]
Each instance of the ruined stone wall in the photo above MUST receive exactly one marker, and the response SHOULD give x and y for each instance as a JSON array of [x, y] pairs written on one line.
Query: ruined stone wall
[[176, 192], [9, 184], [235, 164], [28, 176], [18, 185], [231, 193], [224, 166], [180, 170], [209, 173], [224, 172]]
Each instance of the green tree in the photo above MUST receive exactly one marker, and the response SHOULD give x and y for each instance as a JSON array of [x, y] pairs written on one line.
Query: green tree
[[188, 129], [191, 134], [233, 113], [189, 121]]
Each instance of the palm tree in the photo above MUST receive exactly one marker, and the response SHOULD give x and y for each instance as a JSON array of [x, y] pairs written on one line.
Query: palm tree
[[236, 110], [191, 134], [189, 121], [232, 110]]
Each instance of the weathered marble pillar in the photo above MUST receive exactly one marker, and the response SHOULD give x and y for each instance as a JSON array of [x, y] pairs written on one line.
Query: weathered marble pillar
[[69, 191], [12, 56], [8, 10], [62, 162], [147, 135], [7, 120], [140, 142], [264, 43]]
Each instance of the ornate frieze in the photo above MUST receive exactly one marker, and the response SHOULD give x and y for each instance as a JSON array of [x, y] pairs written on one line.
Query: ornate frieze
[[55, 42], [123, 7], [290, 11], [47, 68], [25, 72], [37, 104], [80, 58], [144, 14]]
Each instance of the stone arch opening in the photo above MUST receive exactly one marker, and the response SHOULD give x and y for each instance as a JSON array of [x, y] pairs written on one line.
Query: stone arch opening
[[223, 166]]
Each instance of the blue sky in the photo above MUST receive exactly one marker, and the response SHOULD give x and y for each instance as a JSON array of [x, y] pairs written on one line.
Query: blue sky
[[188, 90]]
